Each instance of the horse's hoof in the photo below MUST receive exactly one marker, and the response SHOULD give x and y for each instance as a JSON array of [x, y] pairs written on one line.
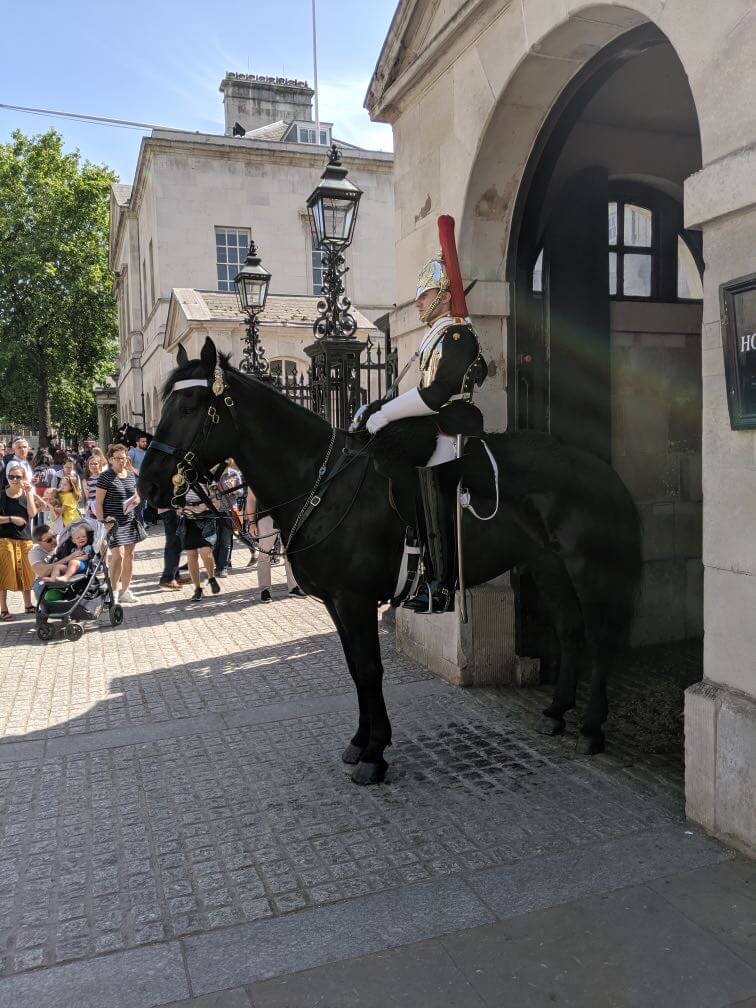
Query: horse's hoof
[[370, 773], [546, 725], [351, 754], [589, 745]]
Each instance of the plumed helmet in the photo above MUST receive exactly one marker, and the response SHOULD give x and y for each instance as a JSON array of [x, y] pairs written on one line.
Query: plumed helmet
[[442, 272]]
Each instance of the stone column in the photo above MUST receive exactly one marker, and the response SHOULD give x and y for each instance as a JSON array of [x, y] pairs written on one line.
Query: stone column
[[720, 712]]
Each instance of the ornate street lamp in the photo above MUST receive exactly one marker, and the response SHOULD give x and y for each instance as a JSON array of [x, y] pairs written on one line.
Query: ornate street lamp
[[335, 355], [252, 282]]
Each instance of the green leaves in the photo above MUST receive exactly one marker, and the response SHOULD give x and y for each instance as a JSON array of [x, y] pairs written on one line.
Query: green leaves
[[58, 332]]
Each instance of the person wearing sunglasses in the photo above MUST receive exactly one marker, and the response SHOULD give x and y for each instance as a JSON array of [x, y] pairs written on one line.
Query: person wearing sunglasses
[[45, 542], [18, 505]]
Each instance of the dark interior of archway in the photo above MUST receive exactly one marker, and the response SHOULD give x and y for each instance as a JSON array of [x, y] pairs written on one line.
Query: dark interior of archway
[[619, 373]]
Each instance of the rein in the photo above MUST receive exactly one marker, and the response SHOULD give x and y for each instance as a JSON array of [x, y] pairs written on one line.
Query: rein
[[189, 474]]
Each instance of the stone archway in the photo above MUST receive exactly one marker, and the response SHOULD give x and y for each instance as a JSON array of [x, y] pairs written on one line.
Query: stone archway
[[469, 89]]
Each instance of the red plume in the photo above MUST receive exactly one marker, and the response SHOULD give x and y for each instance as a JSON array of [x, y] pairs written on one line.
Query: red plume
[[451, 264]]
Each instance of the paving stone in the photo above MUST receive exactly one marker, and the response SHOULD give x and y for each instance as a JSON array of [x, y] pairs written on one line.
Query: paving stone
[[629, 948], [223, 999], [185, 778], [721, 899], [138, 978], [287, 944], [422, 974], [544, 882]]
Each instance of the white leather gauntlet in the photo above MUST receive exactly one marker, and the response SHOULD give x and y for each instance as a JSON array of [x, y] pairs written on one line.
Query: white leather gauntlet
[[408, 404]]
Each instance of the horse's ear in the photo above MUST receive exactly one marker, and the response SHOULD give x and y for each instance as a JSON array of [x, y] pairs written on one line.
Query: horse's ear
[[209, 355], [182, 357]]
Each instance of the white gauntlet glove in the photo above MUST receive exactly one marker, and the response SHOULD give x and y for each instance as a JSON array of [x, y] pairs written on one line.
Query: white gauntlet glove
[[408, 404]]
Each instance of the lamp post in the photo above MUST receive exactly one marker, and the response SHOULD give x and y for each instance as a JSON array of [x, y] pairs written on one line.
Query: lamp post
[[335, 355], [252, 282]]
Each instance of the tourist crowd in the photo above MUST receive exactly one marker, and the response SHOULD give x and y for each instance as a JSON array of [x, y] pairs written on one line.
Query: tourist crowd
[[51, 501]]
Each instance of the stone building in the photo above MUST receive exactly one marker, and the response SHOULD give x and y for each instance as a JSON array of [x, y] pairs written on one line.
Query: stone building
[[596, 158], [196, 199]]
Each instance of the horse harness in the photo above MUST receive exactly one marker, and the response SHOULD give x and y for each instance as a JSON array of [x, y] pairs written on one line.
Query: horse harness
[[189, 474]]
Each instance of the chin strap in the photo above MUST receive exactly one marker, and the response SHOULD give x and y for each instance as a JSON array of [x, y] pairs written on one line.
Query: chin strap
[[427, 315]]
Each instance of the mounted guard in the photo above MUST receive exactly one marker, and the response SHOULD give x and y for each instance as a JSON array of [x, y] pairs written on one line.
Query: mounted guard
[[451, 366]]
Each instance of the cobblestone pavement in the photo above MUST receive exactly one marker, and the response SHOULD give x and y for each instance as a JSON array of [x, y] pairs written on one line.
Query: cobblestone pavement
[[180, 775]]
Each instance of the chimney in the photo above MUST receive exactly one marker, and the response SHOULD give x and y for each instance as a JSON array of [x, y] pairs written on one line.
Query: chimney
[[254, 100]]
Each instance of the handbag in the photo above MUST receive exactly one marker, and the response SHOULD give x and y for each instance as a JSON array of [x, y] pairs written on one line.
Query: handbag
[[141, 530]]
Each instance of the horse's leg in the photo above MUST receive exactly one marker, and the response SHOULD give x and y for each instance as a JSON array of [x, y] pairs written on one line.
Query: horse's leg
[[359, 619], [558, 598], [591, 738], [353, 751], [593, 592]]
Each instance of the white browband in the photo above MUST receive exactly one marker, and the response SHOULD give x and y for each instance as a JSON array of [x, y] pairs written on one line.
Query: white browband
[[191, 383]]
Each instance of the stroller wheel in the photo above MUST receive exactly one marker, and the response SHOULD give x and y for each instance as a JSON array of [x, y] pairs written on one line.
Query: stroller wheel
[[45, 631], [116, 615], [74, 631]]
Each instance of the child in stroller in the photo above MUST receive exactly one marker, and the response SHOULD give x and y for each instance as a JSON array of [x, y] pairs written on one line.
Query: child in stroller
[[81, 589], [75, 554]]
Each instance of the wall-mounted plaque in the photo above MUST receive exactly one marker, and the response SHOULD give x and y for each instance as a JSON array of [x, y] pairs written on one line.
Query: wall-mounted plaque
[[737, 300]]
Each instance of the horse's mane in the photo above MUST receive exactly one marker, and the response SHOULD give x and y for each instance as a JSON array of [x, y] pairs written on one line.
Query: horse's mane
[[196, 369]]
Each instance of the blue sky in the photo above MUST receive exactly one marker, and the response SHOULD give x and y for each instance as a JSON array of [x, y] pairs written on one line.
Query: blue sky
[[161, 61]]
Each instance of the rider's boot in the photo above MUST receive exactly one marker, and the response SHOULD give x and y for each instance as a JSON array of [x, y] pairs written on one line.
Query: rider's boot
[[437, 491]]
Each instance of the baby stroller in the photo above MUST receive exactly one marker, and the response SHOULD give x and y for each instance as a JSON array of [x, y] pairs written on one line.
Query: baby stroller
[[83, 597]]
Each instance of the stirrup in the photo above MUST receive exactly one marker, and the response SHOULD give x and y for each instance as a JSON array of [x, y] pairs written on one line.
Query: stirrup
[[441, 600], [420, 601]]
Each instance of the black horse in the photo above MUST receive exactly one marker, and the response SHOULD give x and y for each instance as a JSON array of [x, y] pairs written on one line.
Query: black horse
[[564, 516], [129, 435]]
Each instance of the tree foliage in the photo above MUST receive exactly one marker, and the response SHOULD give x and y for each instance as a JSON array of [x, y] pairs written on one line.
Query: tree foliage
[[58, 331]]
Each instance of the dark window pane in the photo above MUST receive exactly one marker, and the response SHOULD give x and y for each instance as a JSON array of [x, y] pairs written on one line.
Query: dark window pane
[[636, 275]]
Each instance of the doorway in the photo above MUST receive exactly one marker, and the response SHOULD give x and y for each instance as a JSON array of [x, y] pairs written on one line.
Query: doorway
[[606, 342]]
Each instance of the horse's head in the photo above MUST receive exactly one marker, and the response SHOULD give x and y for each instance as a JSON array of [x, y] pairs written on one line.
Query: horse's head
[[129, 435], [196, 430]]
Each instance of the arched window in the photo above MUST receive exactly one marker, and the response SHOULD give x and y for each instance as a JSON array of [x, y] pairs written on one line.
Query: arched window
[[651, 256]]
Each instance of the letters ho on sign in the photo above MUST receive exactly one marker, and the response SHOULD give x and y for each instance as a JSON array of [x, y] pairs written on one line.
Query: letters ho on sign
[[737, 300]]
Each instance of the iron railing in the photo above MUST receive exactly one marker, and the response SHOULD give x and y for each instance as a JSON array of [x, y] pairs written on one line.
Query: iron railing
[[378, 369]]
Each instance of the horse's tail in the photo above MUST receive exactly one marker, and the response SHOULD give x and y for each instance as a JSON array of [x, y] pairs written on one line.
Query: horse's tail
[[620, 572]]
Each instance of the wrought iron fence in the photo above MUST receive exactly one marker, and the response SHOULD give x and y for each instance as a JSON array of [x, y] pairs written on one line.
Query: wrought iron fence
[[378, 369]]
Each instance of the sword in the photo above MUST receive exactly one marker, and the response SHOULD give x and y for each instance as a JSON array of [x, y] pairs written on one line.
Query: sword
[[460, 552]]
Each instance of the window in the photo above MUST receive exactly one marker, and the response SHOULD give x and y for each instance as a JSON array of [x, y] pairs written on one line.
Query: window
[[287, 371], [231, 246], [317, 270], [631, 250], [537, 283], [144, 291], [307, 135], [689, 286]]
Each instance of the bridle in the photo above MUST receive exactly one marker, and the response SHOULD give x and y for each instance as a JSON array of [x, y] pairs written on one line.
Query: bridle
[[190, 474]]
